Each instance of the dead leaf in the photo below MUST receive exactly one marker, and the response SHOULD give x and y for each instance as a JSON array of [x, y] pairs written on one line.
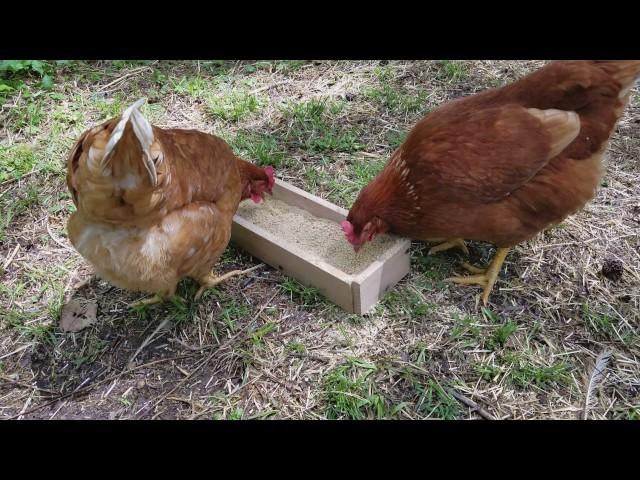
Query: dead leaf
[[76, 316]]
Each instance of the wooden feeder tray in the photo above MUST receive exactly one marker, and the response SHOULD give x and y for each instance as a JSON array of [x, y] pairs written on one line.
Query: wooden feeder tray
[[354, 293]]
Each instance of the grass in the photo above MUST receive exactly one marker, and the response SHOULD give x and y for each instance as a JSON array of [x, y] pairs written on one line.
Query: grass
[[432, 267], [632, 413], [257, 338], [435, 402], [232, 107], [309, 296], [396, 101], [395, 138], [192, 86], [363, 170], [236, 414], [343, 190], [348, 392], [453, 71], [609, 327], [388, 95], [315, 177], [90, 351], [264, 345], [261, 148], [601, 324], [233, 311], [281, 66], [14, 74], [502, 334], [20, 205], [525, 373], [16, 161], [488, 372], [314, 127], [30, 331], [467, 331], [471, 332], [406, 303], [296, 347], [109, 107]]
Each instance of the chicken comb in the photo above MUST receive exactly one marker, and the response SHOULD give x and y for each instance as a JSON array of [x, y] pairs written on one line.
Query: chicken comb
[[269, 172], [347, 228]]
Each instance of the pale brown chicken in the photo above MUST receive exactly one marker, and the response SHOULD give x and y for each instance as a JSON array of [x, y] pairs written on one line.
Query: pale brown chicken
[[499, 166], [156, 205]]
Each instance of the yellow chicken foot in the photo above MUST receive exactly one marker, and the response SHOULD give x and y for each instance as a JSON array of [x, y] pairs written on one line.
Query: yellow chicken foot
[[471, 269], [157, 298], [450, 243], [485, 278], [212, 281], [147, 301]]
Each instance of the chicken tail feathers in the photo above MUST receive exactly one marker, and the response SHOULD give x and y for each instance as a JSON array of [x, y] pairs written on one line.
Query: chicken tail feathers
[[625, 72], [143, 132]]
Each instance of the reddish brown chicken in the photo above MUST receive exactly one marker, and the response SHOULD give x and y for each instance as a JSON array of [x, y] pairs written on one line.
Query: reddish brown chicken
[[499, 166], [154, 205]]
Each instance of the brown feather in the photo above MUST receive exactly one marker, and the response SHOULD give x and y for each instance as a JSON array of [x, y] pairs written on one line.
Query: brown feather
[[145, 237], [504, 164]]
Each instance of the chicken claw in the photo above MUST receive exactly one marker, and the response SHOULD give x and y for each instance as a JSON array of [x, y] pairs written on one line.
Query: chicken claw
[[485, 278], [472, 269], [157, 298], [450, 243], [211, 281]]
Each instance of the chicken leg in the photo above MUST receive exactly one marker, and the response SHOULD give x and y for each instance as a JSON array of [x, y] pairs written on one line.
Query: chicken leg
[[211, 281], [486, 278], [449, 243]]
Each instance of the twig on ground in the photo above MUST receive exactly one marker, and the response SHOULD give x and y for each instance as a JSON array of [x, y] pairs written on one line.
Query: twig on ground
[[471, 404]]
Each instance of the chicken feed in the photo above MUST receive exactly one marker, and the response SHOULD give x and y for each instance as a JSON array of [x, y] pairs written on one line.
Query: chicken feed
[[316, 237]]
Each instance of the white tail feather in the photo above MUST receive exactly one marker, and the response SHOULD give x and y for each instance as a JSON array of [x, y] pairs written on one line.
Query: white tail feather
[[144, 133], [116, 135], [142, 129], [595, 378]]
